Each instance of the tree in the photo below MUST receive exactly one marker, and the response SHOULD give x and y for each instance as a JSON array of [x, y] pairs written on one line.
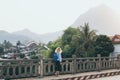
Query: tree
[[70, 41], [103, 45], [18, 46], [22, 55], [52, 46], [77, 41], [18, 43], [1, 50], [7, 45], [87, 37], [68, 34]]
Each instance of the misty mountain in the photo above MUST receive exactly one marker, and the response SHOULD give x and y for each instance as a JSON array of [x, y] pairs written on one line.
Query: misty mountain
[[12, 37], [28, 33], [50, 36], [101, 18], [39, 37]]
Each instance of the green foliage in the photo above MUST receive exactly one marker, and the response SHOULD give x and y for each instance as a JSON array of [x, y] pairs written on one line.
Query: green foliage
[[22, 55], [7, 44], [32, 53], [18, 46], [88, 37], [66, 51], [1, 50], [70, 40], [68, 35], [44, 53], [18, 43], [79, 41], [53, 45], [103, 45], [34, 57]]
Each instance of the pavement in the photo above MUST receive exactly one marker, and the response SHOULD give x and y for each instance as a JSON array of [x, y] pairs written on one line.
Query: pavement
[[108, 78], [77, 76]]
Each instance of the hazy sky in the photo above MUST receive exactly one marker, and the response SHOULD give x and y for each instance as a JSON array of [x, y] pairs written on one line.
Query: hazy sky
[[44, 16]]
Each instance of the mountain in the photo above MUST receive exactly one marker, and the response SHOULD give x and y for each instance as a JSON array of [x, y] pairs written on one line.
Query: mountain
[[28, 33], [50, 36], [12, 37], [45, 38], [101, 18]]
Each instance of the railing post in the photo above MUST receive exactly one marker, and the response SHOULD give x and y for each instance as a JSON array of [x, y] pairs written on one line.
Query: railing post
[[40, 68], [118, 62], [99, 62], [74, 64]]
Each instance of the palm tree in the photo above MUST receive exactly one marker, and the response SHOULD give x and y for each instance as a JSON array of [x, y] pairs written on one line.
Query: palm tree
[[18, 46], [88, 37], [6, 45]]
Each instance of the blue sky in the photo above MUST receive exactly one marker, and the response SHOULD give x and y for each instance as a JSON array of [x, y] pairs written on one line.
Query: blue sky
[[44, 16]]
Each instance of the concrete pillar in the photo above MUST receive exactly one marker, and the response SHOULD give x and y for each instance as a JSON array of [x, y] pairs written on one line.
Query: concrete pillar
[[99, 62], [74, 64]]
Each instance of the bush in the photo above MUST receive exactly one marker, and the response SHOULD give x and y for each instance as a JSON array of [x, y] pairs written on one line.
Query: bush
[[34, 57], [22, 55]]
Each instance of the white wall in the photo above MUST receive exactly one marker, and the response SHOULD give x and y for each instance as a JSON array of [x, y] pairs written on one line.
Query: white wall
[[116, 49]]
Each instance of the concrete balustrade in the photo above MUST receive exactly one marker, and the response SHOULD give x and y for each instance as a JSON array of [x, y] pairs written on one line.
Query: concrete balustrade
[[44, 67]]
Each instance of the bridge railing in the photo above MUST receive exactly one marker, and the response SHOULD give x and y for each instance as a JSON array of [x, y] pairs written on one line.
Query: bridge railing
[[96, 63], [77, 65], [18, 68], [43, 67]]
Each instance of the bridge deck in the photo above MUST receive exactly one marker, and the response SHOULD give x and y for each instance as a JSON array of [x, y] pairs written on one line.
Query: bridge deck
[[85, 75]]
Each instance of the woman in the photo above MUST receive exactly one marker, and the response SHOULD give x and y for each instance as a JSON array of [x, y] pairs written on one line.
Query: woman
[[58, 60]]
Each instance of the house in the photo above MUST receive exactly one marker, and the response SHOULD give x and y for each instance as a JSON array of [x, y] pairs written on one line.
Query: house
[[31, 45], [116, 42]]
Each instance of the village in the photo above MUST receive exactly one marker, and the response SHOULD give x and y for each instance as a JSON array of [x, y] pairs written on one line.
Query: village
[[23, 51]]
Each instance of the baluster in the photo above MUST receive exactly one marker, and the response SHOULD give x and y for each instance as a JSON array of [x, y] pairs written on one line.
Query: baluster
[[31, 65], [87, 64], [49, 64], [41, 67], [83, 66], [1, 71], [19, 68], [19, 71], [31, 69], [111, 64], [90, 65], [36, 69], [66, 66], [80, 63], [44, 69], [25, 67], [62, 67], [7, 67], [14, 74], [54, 68]]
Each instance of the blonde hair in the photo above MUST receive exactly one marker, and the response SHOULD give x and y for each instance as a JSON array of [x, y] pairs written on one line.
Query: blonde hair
[[56, 50]]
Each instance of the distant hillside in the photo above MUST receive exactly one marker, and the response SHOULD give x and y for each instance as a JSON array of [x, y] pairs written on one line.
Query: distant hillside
[[51, 36], [27, 35], [101, 18], [12, 37], [41, 38]]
